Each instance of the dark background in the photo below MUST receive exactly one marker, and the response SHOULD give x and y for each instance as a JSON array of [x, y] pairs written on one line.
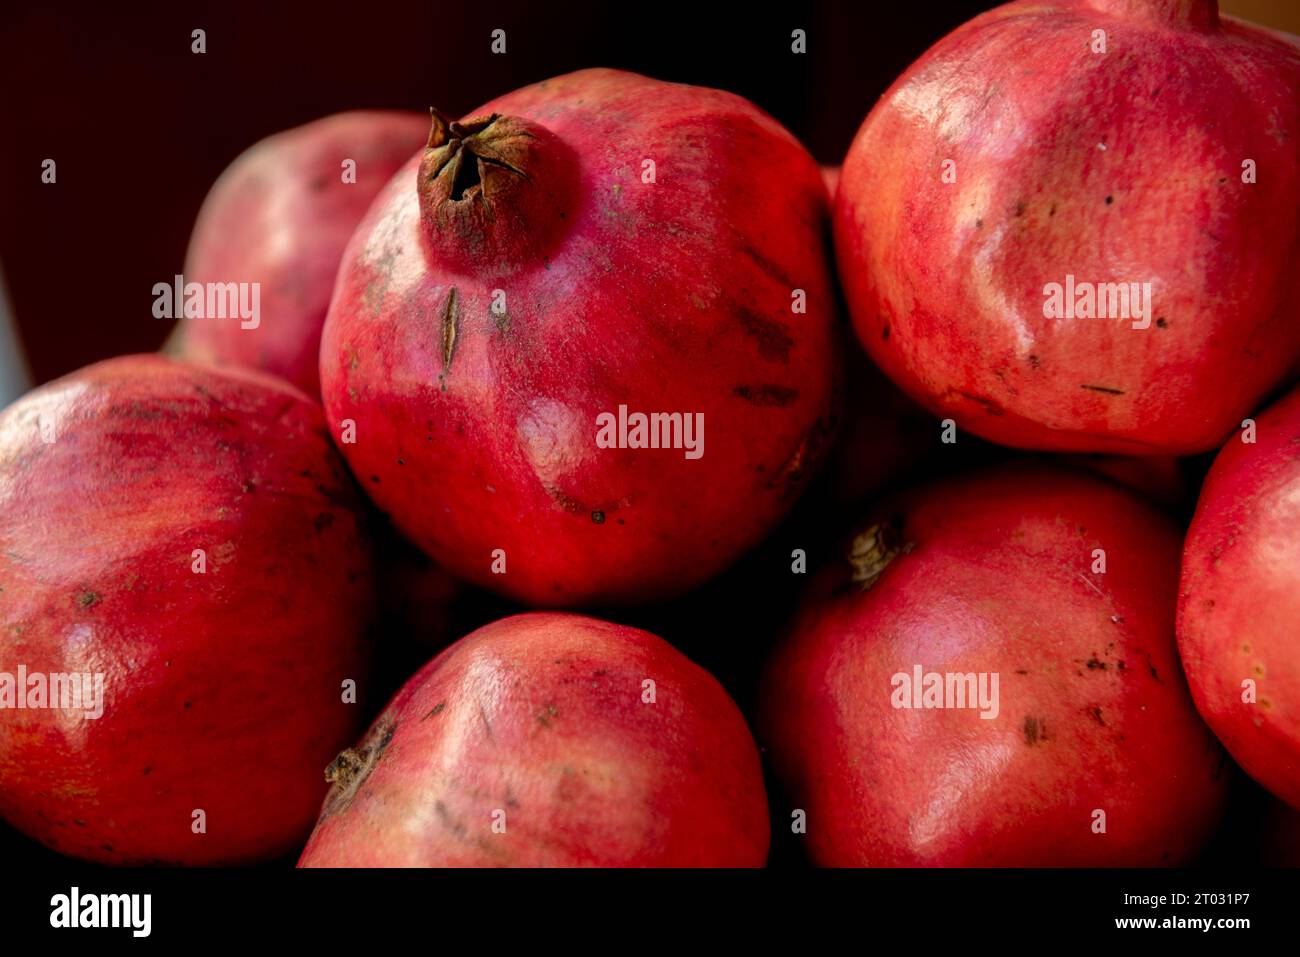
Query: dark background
[[140, 128]]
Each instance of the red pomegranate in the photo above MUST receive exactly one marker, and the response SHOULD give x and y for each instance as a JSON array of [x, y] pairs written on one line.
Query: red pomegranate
[[280, 216], [187, 540], [550, 739], [1047, 163], [544, 316], [969, 688], [1239, 606]]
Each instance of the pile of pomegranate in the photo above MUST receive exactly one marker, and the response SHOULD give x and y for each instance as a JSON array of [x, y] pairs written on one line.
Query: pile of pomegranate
[[597, 480]]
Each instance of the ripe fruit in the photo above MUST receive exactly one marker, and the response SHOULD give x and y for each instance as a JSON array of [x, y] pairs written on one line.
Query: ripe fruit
[[533, 742], [190, 534], [1015, 155], [280, 216], [995, 574], [585, 250], [1240, 600]]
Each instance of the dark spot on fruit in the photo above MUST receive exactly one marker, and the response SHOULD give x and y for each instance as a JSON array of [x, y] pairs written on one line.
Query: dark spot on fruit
[[1094, 664], [1103, 388], [1096, 713], [1052, 211], [546, 714], [79, 822], [436, 709], [766, 395], [148, 770], [621, 522], [1035, 730], [186, 705], [774, 343], [1161, 323], [1109, 200], [1021, 671], [401, 461], [990, 407], [1034, 362], [1020, 208], [88, 599], [884, 333], [249, 487], [598, 517], [979, 224], [375, 479]]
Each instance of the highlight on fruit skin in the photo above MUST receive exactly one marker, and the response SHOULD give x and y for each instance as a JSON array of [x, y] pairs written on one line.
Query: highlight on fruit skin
[[184, 542], [555, 740], [1049, 227], [1061, 733], [582, 251], [1239, 603]]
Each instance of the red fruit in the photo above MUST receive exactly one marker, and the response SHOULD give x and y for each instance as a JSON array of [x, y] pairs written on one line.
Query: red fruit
[[523, 279], [990, 575], [1117, 167], [222, 690], [531, 743], [1240, 601], [280, 216]]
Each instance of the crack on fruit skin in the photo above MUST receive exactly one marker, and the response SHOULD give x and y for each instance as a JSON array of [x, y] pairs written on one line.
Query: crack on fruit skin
[[1107, 390], [353, 766], [450, 329]]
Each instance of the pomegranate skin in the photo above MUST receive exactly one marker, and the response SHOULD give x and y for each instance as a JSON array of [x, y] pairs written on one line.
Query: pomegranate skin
[[280, 215], [1239, 602], [222, 690], [541, 718], [1124, 166], [476, 430], [994, 575]]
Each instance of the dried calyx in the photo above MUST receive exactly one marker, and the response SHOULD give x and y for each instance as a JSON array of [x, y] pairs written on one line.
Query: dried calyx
[[492, 187]]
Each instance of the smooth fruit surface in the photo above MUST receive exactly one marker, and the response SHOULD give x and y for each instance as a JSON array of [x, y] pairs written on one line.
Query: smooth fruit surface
[[536, 741], [191, 535], [1091, 754], [1015, 155], [598, 244], [280, 216], [1239, 608]]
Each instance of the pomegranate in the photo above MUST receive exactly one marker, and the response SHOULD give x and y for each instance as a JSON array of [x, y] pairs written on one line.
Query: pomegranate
[[550, 739], [185, 543], [280, 216], [971, 689], [1048, 163], [581, 259], [1240, 600]]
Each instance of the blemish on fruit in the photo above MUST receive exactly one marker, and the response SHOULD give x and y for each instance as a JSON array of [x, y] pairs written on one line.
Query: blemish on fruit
[[88, 599], [1035, 730]]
